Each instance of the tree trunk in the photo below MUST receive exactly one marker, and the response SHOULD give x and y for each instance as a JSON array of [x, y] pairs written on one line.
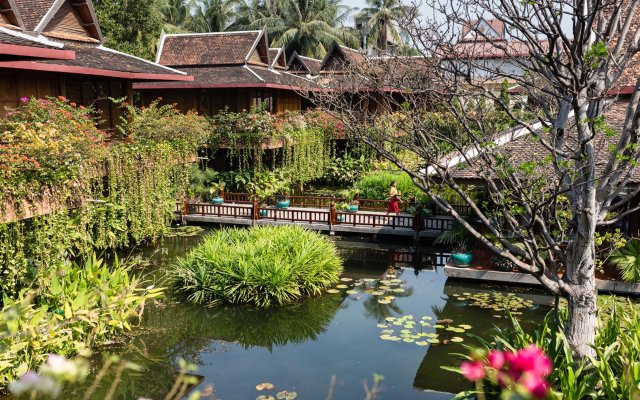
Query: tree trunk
[[581, 325]]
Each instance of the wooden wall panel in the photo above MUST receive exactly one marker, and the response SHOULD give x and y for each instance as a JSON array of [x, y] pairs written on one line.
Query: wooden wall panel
[[66, 22]]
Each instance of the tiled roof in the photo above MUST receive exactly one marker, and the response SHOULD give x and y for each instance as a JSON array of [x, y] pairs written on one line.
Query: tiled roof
[[313, 65], [490, 49], [630, 75], [278, 58], [20, 40], [32, 12], [527, 149], [495, 24], [223, 48], [232, 76]]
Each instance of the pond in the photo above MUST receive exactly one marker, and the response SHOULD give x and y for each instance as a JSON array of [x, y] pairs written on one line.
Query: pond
[[393, 314]]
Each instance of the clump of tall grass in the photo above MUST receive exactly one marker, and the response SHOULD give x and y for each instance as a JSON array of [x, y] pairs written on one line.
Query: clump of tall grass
[[262, 266]]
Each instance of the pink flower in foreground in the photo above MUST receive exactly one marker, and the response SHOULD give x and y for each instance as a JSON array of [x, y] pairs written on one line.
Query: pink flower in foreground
[[495, 359], [533, 360], [472, 370], [24, 99], [536, 385]]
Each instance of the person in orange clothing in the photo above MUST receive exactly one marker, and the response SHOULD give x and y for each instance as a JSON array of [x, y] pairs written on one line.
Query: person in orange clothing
[[394, 199]]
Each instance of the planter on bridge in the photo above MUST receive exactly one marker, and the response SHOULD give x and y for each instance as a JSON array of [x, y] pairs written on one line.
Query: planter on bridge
[[462, 259], [217, 201], [283, 203], [353, 208]]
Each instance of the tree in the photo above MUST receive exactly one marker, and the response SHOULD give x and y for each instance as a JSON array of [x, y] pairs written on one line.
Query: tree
[[177, 14], [214, 15], [306, 26], [131, 26], [545, 206], [382, 16]]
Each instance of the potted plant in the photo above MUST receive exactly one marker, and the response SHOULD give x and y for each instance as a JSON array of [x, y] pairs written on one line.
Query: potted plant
[[344, 206], [282, 199], [458, 238], [217, 190], [351, 197]]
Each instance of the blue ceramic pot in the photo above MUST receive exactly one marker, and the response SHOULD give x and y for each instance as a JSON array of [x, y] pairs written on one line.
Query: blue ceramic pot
[[217, 200], [283, 203], [340, 218], [263, 213], [462, 259], [352, 208]]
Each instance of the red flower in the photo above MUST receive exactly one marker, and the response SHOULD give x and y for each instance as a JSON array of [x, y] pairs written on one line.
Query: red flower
[[472, 370], [62, 98], [495, 359], [533, 360], [536, 385]]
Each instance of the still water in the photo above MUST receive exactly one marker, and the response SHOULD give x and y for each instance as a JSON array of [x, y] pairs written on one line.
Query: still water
[[330, 343]]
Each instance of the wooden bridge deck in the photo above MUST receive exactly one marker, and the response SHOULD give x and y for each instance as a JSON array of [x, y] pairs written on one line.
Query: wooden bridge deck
[[327, 220]]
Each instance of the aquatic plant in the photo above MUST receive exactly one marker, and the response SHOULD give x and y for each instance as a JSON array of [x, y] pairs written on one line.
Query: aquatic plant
[[263, 266]]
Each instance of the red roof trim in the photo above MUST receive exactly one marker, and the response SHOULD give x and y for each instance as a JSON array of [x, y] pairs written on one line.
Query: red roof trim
[[623, 90], [70, 69], [28, 51], [153, 86]]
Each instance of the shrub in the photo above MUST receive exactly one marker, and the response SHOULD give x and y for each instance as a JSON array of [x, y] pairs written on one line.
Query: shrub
[[376, 186], [613, 374], [74, 308], [627, 260], [263, 266]]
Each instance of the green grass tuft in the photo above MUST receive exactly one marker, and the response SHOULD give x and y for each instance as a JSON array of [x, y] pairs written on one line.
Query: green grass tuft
[[262, 266]]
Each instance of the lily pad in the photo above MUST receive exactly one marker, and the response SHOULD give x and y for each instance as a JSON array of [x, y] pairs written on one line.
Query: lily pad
[[384, 301], [333, 291], [265, 397], [342, 286], [390, 319], [382, 326], [423, 343], [265, 386], [351, 292], [465, 327], [346, 279], [457, 339]]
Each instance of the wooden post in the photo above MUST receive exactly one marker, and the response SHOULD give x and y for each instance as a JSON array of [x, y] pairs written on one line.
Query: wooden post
[[255, 215], [222, 194], [333, 217], [185, 207]]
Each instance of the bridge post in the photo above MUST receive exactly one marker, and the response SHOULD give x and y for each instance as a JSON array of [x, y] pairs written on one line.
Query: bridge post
[[185, 207], [255, 210]]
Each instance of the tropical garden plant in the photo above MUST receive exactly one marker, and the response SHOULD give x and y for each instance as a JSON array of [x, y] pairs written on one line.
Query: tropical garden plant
[[627, 260], [261, 266]]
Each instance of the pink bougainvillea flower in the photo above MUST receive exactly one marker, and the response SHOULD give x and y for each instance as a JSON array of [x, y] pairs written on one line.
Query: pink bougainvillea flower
[[496, 359], [536, 385], [24, 99], [472, 370], [533, 360]]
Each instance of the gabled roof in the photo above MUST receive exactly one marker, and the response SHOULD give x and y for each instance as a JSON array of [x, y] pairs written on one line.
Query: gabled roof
[[492, 29], [62, 19], [216, 48], [278, 58], [9, 15], [338, 57], [14, 43], [304, 65]]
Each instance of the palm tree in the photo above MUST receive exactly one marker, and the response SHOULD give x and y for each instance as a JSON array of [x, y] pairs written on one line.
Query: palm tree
[[247, 13], [177, 14], [306, 26], [213, 15], [381, 15]]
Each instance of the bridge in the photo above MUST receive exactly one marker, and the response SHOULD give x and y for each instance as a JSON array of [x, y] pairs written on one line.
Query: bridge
[[313, 213]]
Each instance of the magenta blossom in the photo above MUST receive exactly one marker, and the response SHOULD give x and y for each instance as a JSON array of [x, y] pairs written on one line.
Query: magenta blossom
[[495, 359], [24, 99], [472, 370], [532, 359], [536, 385]]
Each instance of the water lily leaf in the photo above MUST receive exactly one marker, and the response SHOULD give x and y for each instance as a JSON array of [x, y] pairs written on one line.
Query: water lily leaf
[[281, 395], [342, 286], [382, 326], [390, 319], [457, 339], [384, 301], [265, 386], [465, 327], [399, 323], [405, 331], [346, 279], [426, 317], [433, 341], [291, 396], [377, 293], [351, 292], [398, 290], [422, 343], [264, 397], [438, 326], [387, 331], [333, 291], [408, 340]]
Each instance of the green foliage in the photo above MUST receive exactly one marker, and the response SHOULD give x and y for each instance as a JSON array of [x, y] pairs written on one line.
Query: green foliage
[[457, 237], [166, 123], [46, 142], [263, 266], [613, 374], [376, 185], [78, 307], [627, 260], [131, 26], [346, 170]]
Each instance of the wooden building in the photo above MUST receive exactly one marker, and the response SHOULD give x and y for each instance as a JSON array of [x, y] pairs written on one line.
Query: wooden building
[[55, 48], [234, 70]]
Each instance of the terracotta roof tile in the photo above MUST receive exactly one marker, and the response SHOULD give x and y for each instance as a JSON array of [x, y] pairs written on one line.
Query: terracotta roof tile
[[32, 12], [224, 48], [527, 149], [107, 59], [7, 38]]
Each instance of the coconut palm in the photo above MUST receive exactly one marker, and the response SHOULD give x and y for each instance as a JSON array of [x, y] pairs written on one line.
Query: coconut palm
[[382, 16], [213, 15], [177, 14], [247, 13], [306, 26]]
